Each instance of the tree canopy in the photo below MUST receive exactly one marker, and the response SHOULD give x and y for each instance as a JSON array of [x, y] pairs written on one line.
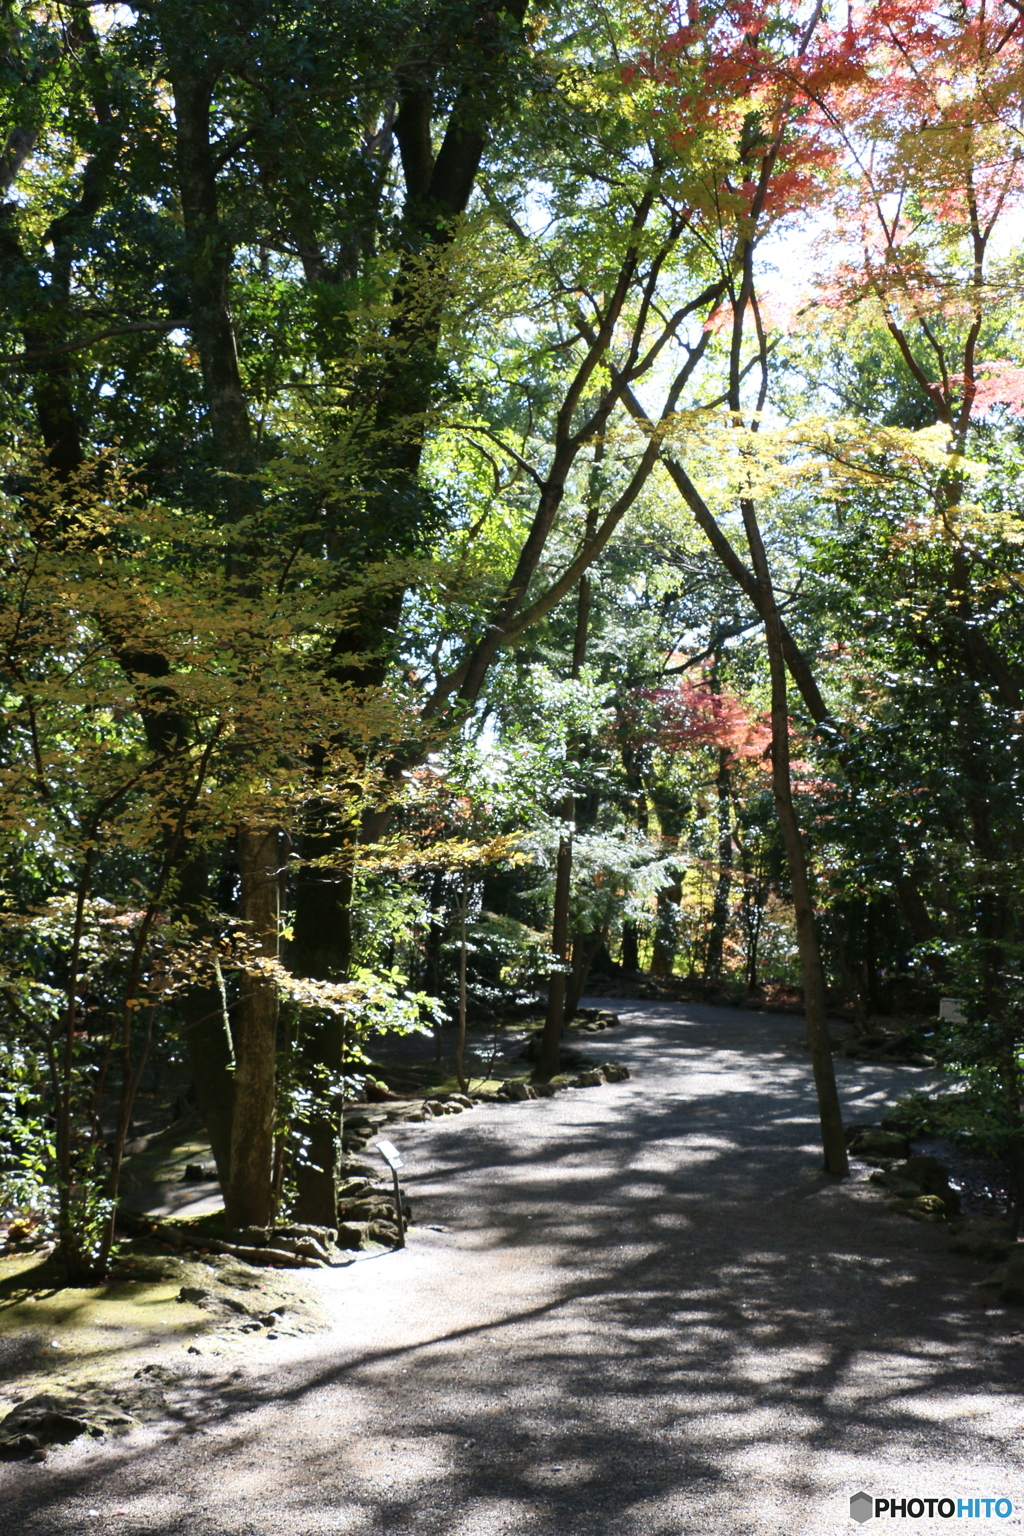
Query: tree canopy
[[489, 493]]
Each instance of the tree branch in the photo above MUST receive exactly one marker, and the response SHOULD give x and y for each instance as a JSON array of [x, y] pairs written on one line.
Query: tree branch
[[38, 356]]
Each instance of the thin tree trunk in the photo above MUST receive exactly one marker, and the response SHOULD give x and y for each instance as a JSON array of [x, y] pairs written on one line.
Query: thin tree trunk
[[554, 1019], [665, 946], [756, 889], [753, 940], [81, 1266], [850, 986], [206, 1026], [911, 901], [830, 1114], [547, 1064], [460, 1044], [435, 935], [720, 911]]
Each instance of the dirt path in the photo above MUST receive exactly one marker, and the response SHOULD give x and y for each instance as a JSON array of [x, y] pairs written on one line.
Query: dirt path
[[647, 1315]]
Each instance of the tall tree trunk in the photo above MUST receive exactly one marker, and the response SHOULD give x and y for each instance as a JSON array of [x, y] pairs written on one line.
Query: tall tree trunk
[[395, 523], [167, 727], [440, 161], [830, 1114], [210, 259], [248, 1191]]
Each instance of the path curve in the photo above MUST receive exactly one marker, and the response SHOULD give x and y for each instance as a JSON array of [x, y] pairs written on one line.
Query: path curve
[[648, 1314]]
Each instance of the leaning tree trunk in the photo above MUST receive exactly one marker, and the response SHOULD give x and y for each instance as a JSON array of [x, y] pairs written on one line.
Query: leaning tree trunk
[[832, 1137]]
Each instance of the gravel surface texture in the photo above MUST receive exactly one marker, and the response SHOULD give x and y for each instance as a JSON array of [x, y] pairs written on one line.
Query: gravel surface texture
[[642, 1312]]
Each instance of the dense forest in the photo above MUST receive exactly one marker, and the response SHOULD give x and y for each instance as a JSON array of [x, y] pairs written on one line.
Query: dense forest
[[491, 498]]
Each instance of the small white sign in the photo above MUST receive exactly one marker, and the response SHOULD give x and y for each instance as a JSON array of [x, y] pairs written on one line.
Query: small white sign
[[952, 1010], [390, 1153]]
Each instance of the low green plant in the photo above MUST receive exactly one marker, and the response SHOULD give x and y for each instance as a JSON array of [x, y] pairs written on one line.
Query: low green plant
[[27, 1153]]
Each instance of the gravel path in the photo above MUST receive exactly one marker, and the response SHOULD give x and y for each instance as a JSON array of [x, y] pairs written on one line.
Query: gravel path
[[647, 1314]]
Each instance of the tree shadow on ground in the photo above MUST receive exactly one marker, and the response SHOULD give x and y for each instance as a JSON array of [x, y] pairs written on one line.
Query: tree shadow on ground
[[724, 1341]]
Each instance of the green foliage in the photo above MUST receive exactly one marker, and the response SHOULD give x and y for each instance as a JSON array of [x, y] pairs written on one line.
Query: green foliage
[[314, 360], [370, 1005], [27, 1151], [967, 1115]]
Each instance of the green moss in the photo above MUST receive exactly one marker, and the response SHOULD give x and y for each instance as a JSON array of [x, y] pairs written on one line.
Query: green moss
[[65, 1330]]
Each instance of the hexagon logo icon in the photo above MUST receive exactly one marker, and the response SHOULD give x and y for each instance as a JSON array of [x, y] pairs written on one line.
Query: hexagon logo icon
[[861, 1507]]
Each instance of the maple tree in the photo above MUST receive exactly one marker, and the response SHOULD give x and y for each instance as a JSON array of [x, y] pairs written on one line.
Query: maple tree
[[700, 718], [931, 183], [916, 112], [906, 121]]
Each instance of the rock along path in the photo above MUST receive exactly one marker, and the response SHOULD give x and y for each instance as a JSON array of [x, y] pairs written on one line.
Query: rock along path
[[647, 1314]]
